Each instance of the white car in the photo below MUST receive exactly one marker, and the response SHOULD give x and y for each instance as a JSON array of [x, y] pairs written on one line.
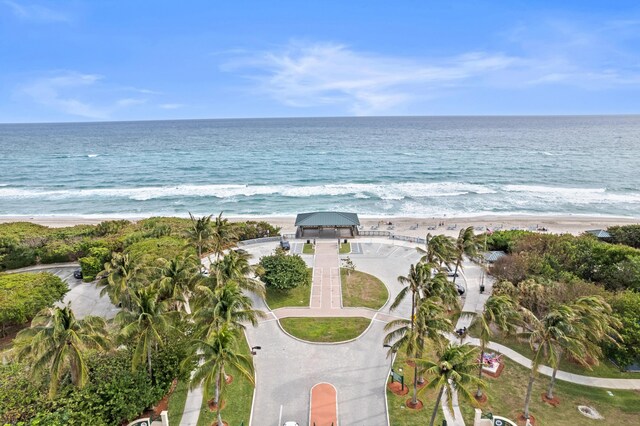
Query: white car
[[291, 424]]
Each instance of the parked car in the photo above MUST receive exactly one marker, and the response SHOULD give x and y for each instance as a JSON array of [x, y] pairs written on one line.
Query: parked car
[[291, 424], [451, 273], [285, 245], [77, 274]]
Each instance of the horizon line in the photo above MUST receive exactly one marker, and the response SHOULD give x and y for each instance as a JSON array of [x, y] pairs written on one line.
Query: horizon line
[[330, 117]]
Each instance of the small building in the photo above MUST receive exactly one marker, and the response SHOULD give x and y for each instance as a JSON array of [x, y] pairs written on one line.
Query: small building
[[600, 234], [327, 225]]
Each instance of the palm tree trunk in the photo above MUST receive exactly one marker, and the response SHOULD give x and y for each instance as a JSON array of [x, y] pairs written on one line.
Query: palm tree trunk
[[435, 409], [413, 308], [217, 400], [527, 399], [187, 306], [455, 271], [419, 355], [553, 382], [414, 398], [75, 371], [479, 391], [149, 358]]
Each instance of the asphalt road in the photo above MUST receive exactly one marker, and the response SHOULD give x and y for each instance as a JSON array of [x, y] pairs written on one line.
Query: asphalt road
[[84, 297]]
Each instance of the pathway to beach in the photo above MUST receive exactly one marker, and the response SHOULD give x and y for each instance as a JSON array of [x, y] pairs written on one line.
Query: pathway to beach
[[287, 368]]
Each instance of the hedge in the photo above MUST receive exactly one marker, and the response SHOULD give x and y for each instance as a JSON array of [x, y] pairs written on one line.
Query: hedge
[[22, 296]]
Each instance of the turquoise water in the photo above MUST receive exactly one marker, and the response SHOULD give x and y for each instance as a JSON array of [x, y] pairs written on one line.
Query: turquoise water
[[408, 166]]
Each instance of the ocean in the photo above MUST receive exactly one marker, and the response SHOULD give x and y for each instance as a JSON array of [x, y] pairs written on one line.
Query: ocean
[[376, 166]]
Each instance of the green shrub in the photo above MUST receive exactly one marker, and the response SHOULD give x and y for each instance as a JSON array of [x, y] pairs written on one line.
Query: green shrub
[[110, 227], [251, 229], [22, 296], [93, 264], [628, 235], [153, 248], [57, 251], [14, 255], [282, 271], [113, 395], [20, 397], [626, 306], [503, 240]]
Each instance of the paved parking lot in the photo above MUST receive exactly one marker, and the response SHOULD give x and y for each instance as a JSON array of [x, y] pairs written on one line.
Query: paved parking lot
[[84, 297], [287, 368]]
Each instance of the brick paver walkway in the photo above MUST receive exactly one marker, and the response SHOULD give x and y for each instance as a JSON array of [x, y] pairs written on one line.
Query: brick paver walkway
[[324, 405]]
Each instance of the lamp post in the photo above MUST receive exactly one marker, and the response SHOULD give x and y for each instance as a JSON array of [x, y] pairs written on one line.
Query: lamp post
[[393, 355], [254, 349]]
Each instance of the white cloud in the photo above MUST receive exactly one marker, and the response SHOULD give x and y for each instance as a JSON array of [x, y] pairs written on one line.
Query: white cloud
[[34, 12], [326, 73], [77, 94], [171, 106]]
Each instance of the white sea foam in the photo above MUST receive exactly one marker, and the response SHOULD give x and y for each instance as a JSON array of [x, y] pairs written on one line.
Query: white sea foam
[[92, 155], [397, 191], [572, 195]]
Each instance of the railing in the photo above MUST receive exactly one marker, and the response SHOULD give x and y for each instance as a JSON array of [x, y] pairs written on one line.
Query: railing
[[417, 240], [259, 240], [374, 233]]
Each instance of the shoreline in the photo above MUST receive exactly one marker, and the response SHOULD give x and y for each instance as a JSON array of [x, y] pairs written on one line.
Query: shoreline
[[402, 225]]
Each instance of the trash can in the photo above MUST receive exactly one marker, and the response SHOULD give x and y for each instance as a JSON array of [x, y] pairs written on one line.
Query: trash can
[[345, 241], [308, 241]]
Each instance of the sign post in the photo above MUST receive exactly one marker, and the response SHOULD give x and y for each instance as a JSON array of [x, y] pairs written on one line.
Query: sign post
[[398, 378]]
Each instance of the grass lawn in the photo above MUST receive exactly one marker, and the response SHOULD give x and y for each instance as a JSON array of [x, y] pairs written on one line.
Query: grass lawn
[[399, 414], [604, 369], [362, 290], [297, 296], [176, 402], [336, 329], [345, 248], [506, 398], [238, 397], [308, 249]]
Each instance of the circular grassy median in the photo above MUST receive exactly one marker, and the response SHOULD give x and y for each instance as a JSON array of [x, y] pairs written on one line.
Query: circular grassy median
[[360, 289], [325, 330]]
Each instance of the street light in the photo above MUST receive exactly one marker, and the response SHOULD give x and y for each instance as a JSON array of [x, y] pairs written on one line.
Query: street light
[[254, 349], [393, 353]]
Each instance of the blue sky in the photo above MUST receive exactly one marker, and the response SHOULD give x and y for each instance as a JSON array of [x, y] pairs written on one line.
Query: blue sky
[[138, 60]]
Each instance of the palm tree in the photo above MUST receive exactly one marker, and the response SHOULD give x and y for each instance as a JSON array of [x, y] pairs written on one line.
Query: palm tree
[[235, 266], [200, 233], [595, 323], [453, 372], [215, 356], [146, 325], [224, 303], [122, 274], [440, 250], [499, 311], [430, 323], [178, 278], [466, 244], [56, 342], [223, 236], [558, 328], [413, 281]]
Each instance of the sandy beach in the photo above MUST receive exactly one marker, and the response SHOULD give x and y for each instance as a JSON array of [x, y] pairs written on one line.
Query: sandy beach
[[410, 226]]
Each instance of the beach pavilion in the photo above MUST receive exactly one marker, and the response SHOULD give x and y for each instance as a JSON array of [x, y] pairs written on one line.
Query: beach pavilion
[[327, 225]]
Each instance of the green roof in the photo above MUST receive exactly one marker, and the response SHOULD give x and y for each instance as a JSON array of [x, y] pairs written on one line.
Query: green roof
[[600, 233], [327, 219]]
